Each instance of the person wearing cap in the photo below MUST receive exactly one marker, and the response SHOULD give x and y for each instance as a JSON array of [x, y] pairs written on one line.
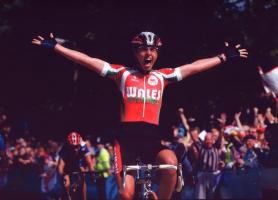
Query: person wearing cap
[[249, 153], [142, 89], [102, 167]]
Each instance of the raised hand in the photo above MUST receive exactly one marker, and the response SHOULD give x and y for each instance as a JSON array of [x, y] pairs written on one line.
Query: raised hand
[[234, 52], [237, 115], [48, 42], [256, 111], [180, 111]]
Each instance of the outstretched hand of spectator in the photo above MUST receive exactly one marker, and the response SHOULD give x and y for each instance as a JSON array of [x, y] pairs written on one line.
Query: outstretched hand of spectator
[[180, 111], [237, 115], [222, 119], [183, 119], [261, 119], [269, 116], [256, 111], [237, 120], [48, 42]]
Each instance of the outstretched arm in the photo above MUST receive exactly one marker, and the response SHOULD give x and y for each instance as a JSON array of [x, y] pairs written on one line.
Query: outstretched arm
[[94, 64], [207, 63], [187, 139], [61, 166], [183, 119], [237, 119]]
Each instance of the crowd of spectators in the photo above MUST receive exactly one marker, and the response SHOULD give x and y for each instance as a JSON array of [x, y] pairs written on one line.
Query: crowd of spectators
[[28, 165], [231, 143], [228, 145]]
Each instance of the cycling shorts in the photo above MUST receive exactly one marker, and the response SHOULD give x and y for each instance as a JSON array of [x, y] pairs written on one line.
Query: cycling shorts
[[139, 140]]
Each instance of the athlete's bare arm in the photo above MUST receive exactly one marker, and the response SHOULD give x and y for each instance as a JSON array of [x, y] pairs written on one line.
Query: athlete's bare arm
[[61, 166], [198, 66], [207, 63], [94, 64]]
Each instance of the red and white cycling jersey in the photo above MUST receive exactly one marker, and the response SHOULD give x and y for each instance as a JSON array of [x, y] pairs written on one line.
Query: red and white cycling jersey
[[141, 93]]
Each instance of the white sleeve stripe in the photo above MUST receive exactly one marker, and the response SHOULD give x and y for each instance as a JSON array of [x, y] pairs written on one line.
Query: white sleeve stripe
[[105, 69], [178, 73], [168, 76]]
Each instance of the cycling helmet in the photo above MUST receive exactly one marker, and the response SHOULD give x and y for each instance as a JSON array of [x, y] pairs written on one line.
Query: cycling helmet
[[146, 38], [74, 138]]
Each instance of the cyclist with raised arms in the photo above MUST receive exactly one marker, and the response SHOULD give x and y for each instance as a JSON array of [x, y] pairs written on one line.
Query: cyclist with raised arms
[[142, 89], [74, 157]]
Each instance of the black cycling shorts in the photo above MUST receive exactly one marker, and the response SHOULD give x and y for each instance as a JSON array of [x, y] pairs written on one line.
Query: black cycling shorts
[[139, 140]]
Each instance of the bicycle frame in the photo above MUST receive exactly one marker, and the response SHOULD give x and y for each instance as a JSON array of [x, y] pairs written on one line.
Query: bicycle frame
[[77, 179], [146, 181]]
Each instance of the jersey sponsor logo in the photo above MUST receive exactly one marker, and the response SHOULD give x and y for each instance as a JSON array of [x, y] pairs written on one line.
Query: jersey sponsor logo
[[139, 93], [153, 81]]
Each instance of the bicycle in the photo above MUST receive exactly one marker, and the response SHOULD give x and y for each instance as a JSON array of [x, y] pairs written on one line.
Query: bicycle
[[77, 180], [143, 179]]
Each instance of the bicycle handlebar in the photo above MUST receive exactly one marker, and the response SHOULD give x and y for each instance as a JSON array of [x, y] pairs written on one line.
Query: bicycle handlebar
[[149, 167]]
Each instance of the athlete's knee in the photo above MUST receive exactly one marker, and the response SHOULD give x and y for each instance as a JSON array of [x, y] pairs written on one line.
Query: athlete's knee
[[126, 192], [167, 157]]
